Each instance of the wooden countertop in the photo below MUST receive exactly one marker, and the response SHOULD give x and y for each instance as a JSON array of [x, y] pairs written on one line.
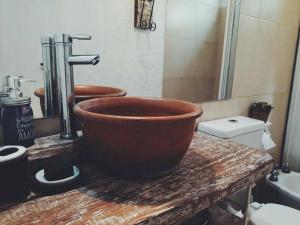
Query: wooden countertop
[[211, 170]]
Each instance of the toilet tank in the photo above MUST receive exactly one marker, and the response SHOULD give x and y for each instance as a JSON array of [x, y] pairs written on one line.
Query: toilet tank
[[240, 129]]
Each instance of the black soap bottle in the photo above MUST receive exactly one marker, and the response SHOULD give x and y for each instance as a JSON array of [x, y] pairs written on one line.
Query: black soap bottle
[[17, 116]]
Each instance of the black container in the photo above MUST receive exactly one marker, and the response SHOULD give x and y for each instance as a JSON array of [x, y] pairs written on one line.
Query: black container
[[14, 176], [17, 121]]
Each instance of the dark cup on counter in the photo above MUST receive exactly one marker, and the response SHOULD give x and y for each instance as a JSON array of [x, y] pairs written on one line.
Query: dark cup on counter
[[14, 176]]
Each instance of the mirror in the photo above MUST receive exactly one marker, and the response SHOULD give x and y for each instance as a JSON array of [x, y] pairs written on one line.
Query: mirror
[[199, 48], [200, 43]]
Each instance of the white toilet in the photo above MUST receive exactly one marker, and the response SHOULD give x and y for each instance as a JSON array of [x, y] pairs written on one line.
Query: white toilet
[[250, 132]]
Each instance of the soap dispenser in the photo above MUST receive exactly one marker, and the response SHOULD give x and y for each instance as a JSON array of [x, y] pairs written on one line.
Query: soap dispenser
[[17, 115], [4, 86]]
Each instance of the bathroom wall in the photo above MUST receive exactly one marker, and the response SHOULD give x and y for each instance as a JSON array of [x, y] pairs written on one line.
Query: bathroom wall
[[130, 58], [264, 62], [193, 48]]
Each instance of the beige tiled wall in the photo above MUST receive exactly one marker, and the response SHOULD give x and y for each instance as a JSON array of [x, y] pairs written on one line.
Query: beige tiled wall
[[194, 37], [264, 62]]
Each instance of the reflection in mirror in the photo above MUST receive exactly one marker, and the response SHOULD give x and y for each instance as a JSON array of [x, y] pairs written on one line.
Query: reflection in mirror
[[200, 43], [53, 92], [199, 52]]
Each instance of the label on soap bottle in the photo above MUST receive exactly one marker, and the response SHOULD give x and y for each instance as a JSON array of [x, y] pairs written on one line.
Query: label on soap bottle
[[25, 128], [18, 125]]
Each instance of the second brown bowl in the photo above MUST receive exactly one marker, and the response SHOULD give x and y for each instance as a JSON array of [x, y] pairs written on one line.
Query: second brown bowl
[[85, 92]]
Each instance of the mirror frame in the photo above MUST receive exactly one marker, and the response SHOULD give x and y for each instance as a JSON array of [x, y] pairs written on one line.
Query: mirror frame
[[229, 51]]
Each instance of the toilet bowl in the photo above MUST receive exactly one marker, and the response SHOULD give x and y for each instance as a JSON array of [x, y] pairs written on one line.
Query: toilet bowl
[[264, 214], [250, 132], [273, 214], [287, 188]]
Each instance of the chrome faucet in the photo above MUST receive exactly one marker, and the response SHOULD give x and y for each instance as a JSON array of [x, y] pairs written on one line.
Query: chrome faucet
[[65, 80], [50, 79]]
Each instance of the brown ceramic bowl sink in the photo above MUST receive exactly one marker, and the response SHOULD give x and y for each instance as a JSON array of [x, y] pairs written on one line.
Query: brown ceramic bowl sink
[[85, 92], [134, 136]]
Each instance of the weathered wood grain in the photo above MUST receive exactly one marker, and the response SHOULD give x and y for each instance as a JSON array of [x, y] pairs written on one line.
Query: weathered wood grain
[[211, 169], [51, 150], [47, 147]]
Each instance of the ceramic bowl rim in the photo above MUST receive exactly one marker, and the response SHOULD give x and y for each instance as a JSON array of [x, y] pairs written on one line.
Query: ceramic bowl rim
[[82, 114], [119, 92]]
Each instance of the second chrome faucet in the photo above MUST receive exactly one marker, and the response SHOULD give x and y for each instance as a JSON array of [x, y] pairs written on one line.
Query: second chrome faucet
[[58, 62]]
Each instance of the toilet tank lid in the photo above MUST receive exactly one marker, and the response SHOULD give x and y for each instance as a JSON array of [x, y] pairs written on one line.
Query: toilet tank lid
[[231, 127]]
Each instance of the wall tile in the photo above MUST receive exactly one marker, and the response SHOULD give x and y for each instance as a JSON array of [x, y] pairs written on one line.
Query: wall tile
[[178, 58], [187, 58], [214, 3], [278, 119], [180, 19], [204, 58], [246, 57], [251, 7], [285, 50], [190, 89], [281, 11], [265, 56], [206, 22]]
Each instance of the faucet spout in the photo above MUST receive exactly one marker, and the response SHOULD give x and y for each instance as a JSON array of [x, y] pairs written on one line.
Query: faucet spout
[[83, 59], [65, 80]]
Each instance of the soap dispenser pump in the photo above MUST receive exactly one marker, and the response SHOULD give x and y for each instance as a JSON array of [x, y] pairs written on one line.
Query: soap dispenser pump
[[4, 86], [17, 115]]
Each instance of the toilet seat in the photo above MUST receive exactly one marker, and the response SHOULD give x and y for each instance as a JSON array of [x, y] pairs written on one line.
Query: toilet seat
[[274, 214]]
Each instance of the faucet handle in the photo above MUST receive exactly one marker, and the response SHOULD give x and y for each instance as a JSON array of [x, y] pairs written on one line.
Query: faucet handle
[[276, 167], [286, 168], [28, 80], [274, 176], [81, 37], [68, 38]]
